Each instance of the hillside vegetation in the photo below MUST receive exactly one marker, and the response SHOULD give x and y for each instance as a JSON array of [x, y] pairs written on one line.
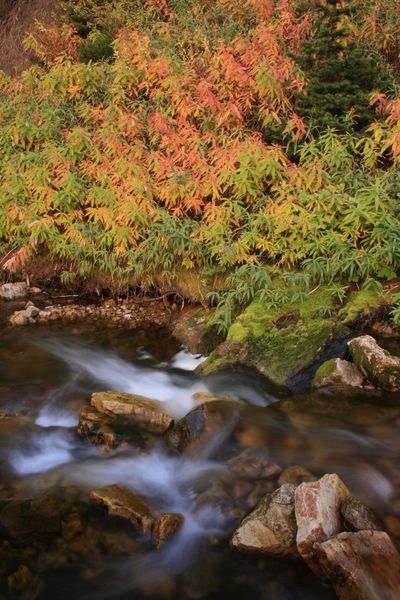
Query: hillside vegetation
[[252, 137]]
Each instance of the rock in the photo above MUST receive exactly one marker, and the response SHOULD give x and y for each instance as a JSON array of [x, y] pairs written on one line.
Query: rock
[[203, 397], [382, 368], [296, 474], [71, 526], [253, 463], [318, 515], [13, 291], [33, 519], [280, 343], [271, 528], [356, 516], [361, 566], [204, 428], [149, 414], [23, 584], [23, 317], [165, 526], [194, 329], [338, 373], [97, 429], [121, 501]]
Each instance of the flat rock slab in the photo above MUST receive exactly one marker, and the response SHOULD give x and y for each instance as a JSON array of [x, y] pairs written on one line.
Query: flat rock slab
[[165, 527], [361, 566], [271, 528], [147, 413], [318, 515], [380, 366], [123, 502]]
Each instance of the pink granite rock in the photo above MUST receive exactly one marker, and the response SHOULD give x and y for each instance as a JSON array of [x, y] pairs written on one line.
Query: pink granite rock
[[317, 508]]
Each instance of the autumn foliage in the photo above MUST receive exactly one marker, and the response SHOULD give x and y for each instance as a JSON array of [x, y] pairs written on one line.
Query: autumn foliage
[[185, 149]]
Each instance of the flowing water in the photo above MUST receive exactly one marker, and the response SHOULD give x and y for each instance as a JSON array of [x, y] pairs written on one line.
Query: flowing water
[[73, 548]]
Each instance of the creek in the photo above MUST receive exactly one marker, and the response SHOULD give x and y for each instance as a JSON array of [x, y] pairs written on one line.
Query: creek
[[47, 375]]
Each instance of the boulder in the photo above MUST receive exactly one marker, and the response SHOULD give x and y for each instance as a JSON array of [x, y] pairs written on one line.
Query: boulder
[[147, 413], [13, 291], [338, 373], [318, 514], [271, 528], [356, 516], [165, 526], [204, 428], [296, 474], [123, 502], [377, 364], [361, 566], [253, 463]]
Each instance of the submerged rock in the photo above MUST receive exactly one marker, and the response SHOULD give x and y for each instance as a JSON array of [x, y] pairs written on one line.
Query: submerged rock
[[165, 526], [380, 366], [356, 516], [296, 474], [339, 373], [271, 528], [361, 566], [35, 519], [318, 514], [23, 584], [13, 291], [204, 428], [253, 463], [147, 413], [121, 501]]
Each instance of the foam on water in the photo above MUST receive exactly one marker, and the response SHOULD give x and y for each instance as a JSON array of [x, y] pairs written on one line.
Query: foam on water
[[42, 452], [109, 371]]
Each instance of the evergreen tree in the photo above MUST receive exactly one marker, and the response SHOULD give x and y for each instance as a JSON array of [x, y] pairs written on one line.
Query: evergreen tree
[[340, 73]]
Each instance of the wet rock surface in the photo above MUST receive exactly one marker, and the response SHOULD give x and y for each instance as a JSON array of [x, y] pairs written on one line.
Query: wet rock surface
[[253, 463], [165, 526], [356, 516], [147, 413], [209, 423], [121, 501], [361, 566], [338, 373], [271, 527], [380, 366], [318, 514], [296, 474]]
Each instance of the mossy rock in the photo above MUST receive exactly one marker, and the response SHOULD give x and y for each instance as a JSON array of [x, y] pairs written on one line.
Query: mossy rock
[[193, 327], [279, 343], [363, 306], [338, 373]]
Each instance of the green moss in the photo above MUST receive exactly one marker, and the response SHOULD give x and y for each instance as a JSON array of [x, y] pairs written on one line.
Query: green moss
[[324, 371], [278, 342], [361, 304]]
